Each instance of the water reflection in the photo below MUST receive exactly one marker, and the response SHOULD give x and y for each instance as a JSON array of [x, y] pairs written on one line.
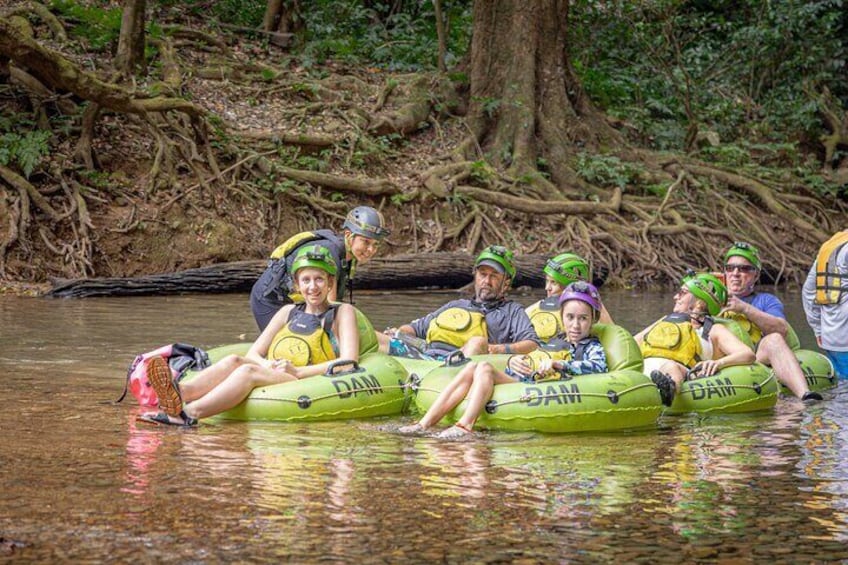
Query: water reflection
[[81, 481]]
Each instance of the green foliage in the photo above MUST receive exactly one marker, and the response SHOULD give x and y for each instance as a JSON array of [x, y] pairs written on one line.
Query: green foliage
[[25, 149], [490, 105], [97, 28], [394, 36], [605, 170], [744, 69], [482, 172], [320, 162], [730, 155], [248, 13], [373, 150]]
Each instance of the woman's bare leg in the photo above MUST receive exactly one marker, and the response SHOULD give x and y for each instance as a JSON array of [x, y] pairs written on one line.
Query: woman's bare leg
[[450, 397], [483, 385], [235, 388], [210, 377]]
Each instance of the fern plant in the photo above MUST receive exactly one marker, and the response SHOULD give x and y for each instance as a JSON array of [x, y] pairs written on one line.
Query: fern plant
[[26, 151]]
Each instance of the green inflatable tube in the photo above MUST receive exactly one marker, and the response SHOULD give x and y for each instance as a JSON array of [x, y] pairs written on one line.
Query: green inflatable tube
[[743, 388], [623, 398], [818, 370], [373, 387]]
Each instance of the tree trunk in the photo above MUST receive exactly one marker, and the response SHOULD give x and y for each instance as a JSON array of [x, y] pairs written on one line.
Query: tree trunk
[[283, 17], [526, 103], [130, 55], [440, 33], [431, 270]]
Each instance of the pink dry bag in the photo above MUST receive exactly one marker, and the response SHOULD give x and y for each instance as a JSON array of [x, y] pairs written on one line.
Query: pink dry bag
[[180, 357]]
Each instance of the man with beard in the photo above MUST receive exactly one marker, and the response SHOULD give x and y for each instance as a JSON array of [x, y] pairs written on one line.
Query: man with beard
[[761, 315], [487, 323]]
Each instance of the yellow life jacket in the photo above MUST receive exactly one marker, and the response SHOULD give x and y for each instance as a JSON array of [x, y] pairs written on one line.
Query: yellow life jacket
[[306, 338], [673, 337], [455, 326], [752, 329], [830, 283], [546, 317]]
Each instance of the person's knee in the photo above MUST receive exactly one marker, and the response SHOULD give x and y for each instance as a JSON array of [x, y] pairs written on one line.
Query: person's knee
[[233, 361], [247, 373], [467, 372], [773, 347], [382, 342], [484, 370], [674, 370], [773, 342]]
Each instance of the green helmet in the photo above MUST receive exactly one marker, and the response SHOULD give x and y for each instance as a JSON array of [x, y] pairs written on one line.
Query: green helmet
[[499, 258], [567, 268], [746, 251], [708, 288], [316, 256]]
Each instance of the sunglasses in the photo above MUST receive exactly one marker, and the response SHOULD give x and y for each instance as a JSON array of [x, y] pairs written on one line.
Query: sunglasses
[[740, 268]]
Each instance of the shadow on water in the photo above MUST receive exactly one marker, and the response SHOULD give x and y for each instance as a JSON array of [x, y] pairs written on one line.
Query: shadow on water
[[81, 480]]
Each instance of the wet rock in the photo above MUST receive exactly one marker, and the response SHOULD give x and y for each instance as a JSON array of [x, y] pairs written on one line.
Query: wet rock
[[8, 546]]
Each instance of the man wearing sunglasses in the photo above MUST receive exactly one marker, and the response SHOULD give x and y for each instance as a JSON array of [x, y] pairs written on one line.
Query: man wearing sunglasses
[[761, 315], [363, 229], [825, 299], [487, 323]]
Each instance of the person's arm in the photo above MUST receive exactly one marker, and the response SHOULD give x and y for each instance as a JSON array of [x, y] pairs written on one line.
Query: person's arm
[[605, 316], [734, 351], [521, 335], [347, 332], [808, 299], [259, 350], [772, 320], [517, 347], [518, 366], [640, 337]]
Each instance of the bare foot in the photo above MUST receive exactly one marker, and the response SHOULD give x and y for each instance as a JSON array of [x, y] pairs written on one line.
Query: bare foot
[[411, 429], [454, 432]]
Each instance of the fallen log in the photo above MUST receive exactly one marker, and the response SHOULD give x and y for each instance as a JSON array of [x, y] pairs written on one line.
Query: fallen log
[[398, 272]]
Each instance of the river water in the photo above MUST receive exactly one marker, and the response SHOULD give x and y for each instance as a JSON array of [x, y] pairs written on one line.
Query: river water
[[81, 481]]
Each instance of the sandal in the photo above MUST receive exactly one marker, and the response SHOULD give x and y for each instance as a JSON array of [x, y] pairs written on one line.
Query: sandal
[[666, 386], [161, 418], [162, 381]]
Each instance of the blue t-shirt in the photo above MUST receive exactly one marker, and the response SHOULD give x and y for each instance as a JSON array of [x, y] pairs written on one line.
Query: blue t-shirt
[[768, 303], [507, 322]]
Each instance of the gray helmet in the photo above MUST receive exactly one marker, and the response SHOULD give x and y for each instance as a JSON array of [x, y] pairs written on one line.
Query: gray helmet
[[367, 222]]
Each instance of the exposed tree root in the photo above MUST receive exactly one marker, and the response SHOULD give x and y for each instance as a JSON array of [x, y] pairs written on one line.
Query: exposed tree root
[[513, 180]]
